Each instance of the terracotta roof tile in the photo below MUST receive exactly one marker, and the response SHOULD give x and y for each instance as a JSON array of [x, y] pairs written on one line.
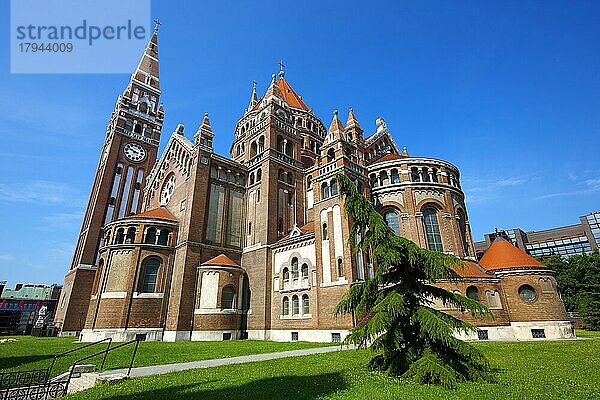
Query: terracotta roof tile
[[503, 254], [221, 261], [469, 269], [289, 96], [155, 213]]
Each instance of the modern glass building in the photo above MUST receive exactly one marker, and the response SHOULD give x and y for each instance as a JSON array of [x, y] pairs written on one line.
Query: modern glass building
[[565, 240]]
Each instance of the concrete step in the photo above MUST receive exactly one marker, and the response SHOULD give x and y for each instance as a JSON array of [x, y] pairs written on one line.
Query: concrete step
[[85, 381]]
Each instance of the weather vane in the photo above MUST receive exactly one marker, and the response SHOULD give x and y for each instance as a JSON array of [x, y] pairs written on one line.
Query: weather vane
[[156, 25], [281, 66]]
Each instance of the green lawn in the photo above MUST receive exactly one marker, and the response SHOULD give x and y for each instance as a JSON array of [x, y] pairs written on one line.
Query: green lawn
[[33, 353], [527, 370]]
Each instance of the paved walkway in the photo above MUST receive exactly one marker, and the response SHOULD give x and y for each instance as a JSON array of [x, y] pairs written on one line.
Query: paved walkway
[[165, 369]]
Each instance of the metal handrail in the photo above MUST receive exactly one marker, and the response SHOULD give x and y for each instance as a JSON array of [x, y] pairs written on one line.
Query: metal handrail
[[109, 340], [137, 343]]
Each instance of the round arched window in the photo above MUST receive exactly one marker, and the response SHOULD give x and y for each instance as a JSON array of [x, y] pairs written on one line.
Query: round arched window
[[473, 293], [527, 293]]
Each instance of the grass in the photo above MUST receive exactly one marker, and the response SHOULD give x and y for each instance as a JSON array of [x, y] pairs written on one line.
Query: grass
[[528, 370], [36, 353], [567, 369]]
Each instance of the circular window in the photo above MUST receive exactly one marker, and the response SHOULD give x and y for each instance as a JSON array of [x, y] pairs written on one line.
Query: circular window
[[527, 293], [167, 189]]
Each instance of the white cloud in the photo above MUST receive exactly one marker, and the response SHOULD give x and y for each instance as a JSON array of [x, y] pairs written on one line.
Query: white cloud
[[482, 189], [40, 192]]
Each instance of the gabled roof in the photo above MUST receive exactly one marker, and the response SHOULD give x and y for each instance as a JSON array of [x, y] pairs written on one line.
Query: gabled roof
[[502, 255], [220, 261], [156, 213], [303, 230], [469, 269], [288, 94]]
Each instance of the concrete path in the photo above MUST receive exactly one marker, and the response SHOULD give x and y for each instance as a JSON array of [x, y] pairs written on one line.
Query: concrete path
[[165, 369]]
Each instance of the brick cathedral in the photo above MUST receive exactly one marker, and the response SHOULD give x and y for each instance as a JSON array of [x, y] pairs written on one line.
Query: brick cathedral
[[197, 246]]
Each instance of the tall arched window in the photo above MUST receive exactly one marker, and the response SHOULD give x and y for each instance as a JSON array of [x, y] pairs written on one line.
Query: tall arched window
[[286, 275], [150, 236], [295, 305], [304, 271], [305, 304], [325, 237], [130, 235], [462, 227], [415, 176], [227, 297], [253, 149], [324, 191], [261, 144], [383, 178], [330, 155], [286, 306], [432, 229], [391, 219], [149, 275], [334, 187], [295, 268], [120, 236], [258, 175], [163, 238], [340, 268], [395, 177]]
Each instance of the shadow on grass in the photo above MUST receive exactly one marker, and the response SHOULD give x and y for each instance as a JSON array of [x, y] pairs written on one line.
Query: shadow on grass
[[281, 387], [7, 363]]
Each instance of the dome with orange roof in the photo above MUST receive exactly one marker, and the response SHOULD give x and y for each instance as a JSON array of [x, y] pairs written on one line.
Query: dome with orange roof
[[503, 255]]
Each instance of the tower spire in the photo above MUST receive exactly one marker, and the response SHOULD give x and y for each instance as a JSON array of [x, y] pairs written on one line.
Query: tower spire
[[204, 135], [147, 69], [253, 97]]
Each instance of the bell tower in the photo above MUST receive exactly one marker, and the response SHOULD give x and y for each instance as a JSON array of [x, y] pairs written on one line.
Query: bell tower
[[128, 153]]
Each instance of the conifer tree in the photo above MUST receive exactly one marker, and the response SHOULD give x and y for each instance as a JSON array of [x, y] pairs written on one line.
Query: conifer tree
[[394, 310]]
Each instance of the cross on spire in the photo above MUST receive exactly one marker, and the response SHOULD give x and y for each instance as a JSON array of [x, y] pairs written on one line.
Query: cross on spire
[[281, 67], [156, 25], [254, 84]]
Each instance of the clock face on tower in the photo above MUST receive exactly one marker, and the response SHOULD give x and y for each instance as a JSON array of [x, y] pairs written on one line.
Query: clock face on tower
[[134, 152]]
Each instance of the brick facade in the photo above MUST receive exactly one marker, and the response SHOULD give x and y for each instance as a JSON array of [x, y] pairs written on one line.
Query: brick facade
[[257, 245]]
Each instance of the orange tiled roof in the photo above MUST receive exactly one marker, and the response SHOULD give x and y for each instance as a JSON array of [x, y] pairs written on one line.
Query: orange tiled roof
[[289, 96], [220, 261], [156, 213], [503, 254], [471, 270]]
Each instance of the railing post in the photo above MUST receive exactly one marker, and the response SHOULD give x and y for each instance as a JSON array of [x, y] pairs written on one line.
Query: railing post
[[105, 354], [137, 343]]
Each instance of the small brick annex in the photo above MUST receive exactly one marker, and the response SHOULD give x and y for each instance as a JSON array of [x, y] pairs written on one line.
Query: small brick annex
[[198, 246]]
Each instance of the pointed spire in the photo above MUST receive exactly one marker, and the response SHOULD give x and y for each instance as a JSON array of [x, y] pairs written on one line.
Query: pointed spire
[[336, 124], [253, 98], [352, 121], [204, 135], [147, 69]]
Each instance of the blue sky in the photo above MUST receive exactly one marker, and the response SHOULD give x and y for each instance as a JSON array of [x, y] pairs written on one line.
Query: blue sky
[[507, 91]]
